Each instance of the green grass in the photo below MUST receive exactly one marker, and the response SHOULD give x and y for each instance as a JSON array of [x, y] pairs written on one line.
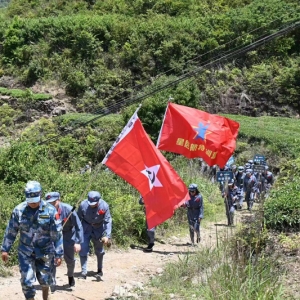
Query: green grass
[[17, 93], [280, 135], [211, 274]]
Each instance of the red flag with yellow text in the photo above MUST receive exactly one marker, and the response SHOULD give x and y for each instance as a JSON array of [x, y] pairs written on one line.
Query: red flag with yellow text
[[195, 133], [135, 158]]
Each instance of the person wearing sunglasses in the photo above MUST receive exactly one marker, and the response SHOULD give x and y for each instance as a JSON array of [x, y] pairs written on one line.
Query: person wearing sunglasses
[[41, 241], [72, 233], [195, 212]]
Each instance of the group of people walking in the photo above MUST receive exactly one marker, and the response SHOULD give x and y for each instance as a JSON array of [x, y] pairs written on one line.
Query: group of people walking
[[195, 213], [246, 184], [51, 230]]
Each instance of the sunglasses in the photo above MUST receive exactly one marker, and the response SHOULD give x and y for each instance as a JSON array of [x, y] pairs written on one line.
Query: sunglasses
[[192, 191], [32, 194]]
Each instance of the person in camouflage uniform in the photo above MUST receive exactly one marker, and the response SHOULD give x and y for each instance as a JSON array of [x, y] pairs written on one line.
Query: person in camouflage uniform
[[40, 244]]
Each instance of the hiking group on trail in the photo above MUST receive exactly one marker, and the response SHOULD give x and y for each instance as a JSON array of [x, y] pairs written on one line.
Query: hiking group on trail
[[246, 184], [51, 230]]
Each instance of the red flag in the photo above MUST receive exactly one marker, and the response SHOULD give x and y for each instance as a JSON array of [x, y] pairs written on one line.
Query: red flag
[[195, 133], [135, 158]]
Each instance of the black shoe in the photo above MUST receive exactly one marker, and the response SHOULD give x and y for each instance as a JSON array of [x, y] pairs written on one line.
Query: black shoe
[[82, 275], [99, 274], [71, 282], [149, 247], [198, 239]]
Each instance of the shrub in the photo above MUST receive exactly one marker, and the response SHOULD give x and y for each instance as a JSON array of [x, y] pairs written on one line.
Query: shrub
[[282, 209]]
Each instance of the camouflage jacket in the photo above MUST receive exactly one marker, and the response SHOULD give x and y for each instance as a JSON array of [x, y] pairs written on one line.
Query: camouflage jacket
[[40, 232]]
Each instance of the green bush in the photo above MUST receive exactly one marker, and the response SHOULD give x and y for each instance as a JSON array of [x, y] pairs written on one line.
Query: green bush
[[282, 209]]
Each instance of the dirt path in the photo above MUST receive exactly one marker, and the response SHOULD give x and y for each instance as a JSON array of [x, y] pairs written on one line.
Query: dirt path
[[129, 268]]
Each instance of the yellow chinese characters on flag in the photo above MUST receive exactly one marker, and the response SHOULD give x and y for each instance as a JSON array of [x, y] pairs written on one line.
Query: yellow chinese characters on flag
[[195, 133]]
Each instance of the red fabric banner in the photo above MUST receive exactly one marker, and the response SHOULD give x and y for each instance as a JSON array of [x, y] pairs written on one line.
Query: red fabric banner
[[195, 133], [135, 158]]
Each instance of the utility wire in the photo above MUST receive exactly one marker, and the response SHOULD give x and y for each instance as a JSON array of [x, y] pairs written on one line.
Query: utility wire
[[226, 56], [195, 60], [116, 104], [141, 85]]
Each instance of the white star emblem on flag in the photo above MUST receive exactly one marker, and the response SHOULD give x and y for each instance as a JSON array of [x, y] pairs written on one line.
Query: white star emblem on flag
[[151, 174]]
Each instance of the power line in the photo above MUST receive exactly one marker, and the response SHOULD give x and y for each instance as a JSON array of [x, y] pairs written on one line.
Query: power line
[[115, 104], [228, 55], [195, 60]]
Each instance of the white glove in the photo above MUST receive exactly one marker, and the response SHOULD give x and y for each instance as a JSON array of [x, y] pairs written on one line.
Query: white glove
[[77, 248]]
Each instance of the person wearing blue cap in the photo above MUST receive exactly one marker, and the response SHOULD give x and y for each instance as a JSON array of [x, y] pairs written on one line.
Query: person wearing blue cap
[[195, 212], [72, 232], [97, 224], [41, 241]]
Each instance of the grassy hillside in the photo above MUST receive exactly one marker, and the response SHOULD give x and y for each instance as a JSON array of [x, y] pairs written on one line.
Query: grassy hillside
[[104, 54], [103, 51]]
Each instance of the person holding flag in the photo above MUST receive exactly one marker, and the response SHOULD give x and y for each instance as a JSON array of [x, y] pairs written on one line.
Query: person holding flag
[[150, 231], [72, 233], [135, 158], [195, 212]]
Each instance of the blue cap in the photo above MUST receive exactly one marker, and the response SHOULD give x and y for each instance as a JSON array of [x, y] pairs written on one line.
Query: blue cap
[[93, 197], [33, 190], [193, 186], [52, 196], [249, 171]]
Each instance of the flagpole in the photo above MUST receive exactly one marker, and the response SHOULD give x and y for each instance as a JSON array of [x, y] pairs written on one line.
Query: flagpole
[[158, 139], [123, 133]]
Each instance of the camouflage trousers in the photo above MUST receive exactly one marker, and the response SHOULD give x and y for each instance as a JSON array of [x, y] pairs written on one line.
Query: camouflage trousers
[[32, 268]]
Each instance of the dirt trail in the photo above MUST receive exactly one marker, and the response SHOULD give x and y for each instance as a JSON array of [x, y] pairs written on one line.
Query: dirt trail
[[121, 267]]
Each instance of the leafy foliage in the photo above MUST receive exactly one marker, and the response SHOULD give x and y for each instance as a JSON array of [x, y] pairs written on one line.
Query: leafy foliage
[[101, 49], [283, 207]]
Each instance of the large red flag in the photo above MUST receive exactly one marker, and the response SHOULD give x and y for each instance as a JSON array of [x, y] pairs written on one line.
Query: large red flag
[[195, 133], [135, 158]]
